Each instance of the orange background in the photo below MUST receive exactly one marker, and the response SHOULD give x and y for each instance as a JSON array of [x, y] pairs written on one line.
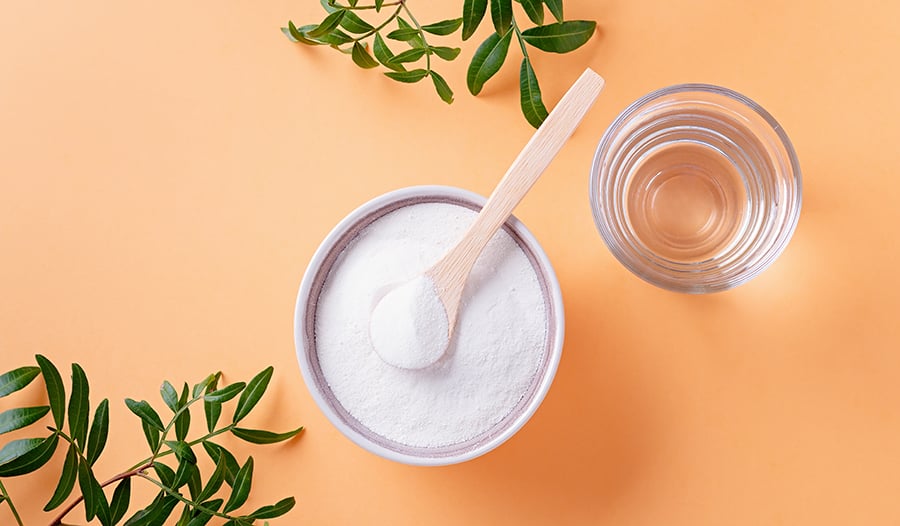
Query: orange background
[[168, 168]]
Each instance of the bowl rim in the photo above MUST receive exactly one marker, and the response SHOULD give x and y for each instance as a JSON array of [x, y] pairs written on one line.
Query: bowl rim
[[301, 334]]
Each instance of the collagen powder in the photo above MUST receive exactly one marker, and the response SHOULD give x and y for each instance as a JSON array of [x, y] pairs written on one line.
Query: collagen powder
[[409, 326], [492, 358]]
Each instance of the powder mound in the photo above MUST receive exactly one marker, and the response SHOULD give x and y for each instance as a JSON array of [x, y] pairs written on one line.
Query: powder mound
[[409, 327]]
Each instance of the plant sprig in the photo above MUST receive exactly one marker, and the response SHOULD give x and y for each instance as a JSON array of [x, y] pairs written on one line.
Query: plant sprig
[[343, 29], [182, 484]]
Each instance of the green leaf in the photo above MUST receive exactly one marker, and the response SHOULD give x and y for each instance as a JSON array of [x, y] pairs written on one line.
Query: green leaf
[[335, 38], [195, 484], [403, 34], [212, 414], [296, 35], [156, 513], [417, 40], [207, 383], [258, 436], [79, 405], [444, 27], [165, 473], [183, 420], [17, 379], [556, 7], [183, 399], [21, 457], [184, 474], [99, 432], [327, 25], [473, 13], [203, 518], [182, 425], [215, 480], [501, 15], [169, 395], [17, 448], [534, 9], [66, 480], [86, 483], [182, 451], [185, 517], [152, 435], [225, 394], [250, 397], [103, 513], [121, 499], [407, 76], [13, 419], [443, 90], [562, 37], [241, 488], [530, 95], [410, 55], [275, 510], [145, 412], [487, 61], [384, 55], [56, 393], [212, 410], [288, 33], [354, 24], [362, 58], [216, 452], [446, 53], [378, 4]]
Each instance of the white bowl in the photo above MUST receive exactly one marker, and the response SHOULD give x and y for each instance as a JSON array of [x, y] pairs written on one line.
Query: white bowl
[[304, 330]]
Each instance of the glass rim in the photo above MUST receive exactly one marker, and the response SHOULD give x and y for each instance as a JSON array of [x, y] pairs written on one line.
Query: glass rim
[[625, 254]]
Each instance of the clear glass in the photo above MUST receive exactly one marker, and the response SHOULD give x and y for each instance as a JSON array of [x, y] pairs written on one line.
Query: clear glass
[[695, 188]]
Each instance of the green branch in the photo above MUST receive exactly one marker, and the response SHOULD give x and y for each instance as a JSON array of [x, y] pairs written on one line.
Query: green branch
[[134, 472], [181, 497], [421, 35], [9, 501]]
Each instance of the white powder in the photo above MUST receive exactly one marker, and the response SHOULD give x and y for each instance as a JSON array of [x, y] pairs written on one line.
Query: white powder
[[409, 326], [494, 353]]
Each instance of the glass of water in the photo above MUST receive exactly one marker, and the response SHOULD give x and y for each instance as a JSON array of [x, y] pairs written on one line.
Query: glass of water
[[695, 188]]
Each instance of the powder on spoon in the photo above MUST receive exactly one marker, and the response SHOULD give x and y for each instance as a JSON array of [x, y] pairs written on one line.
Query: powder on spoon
[[497, 347], [409, 326]]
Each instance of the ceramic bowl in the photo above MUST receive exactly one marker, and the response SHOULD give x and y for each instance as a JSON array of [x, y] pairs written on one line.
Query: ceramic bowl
[[305, 338]]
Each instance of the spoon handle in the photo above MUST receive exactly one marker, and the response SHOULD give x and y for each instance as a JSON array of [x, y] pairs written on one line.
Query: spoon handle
[[546, 142], [451, 272]]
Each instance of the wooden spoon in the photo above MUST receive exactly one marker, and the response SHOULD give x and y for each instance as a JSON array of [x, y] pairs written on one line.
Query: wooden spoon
[[450, 273]]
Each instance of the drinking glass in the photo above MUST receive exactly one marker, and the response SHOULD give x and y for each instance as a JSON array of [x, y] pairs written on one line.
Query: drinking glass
[[695, 188]]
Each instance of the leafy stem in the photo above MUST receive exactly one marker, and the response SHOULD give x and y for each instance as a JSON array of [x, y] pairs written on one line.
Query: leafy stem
[[85, 443], [130, 473], [363, 7], [182, 409], [421, 35], [553, 36], [179, 496], [520, 39], [71, 442], [192, 443], [8, 500], [394, 15]]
